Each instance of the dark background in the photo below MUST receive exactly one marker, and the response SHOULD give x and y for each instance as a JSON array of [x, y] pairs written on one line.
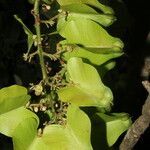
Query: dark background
[[132, 26]]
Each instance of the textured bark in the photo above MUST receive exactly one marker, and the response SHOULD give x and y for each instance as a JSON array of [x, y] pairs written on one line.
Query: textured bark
[[139, 126]]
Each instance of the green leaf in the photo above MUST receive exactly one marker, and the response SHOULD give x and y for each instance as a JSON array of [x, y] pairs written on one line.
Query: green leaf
[[94, 3], [75, 135], [13, 97], [86, 87], [116, 124], [84, 11], [87, 33], [95, 56], [20, 124], [27, 31]]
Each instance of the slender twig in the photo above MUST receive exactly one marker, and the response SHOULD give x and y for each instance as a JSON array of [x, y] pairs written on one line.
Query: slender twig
[[28, 56], [51, 56], [39, 43], [140, 125], [52, 33], [51, 20]]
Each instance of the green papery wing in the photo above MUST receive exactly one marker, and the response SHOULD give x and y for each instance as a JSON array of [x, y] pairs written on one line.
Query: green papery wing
[[113, 125], [84, 11], [94, 55], [86, 88], [75, 135], [94, 3], [87, 33], [12, 97], [21, 125]]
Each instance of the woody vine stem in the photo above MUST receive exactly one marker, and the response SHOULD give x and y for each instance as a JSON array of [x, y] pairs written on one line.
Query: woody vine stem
[[39, 42]]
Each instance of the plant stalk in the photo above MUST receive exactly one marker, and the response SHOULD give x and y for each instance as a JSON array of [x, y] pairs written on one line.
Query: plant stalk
[[39, 42]]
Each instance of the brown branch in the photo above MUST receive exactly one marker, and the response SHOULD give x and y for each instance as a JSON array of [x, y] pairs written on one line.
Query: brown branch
[[145, 73], [140, 125]]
